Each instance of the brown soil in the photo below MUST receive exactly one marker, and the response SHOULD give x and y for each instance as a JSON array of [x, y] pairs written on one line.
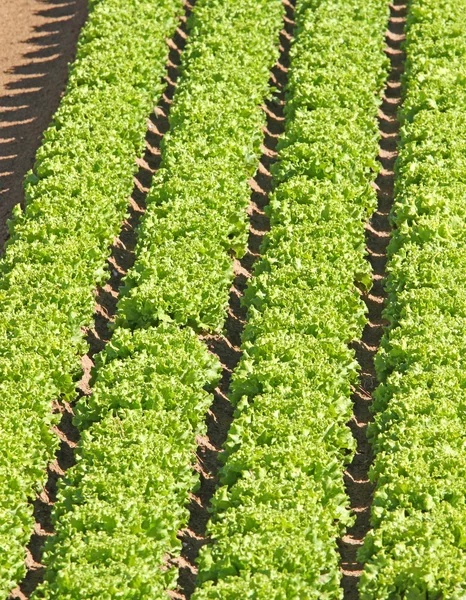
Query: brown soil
[[37, 41], [227, 347], [121, 260], [358, 486]]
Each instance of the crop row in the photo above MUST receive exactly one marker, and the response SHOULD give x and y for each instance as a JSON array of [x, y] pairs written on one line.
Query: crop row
[[282, 502], [121, 506], [76, 199], [197, 204], [418, 546]]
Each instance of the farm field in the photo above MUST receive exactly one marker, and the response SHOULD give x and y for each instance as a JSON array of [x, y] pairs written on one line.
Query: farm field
[[232, 310]]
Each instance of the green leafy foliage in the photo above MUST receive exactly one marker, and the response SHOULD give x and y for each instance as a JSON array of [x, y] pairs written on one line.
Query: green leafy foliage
[[121, 506], [282, 503], [418, 546], [76, 199], [197, 204], [123, 503]]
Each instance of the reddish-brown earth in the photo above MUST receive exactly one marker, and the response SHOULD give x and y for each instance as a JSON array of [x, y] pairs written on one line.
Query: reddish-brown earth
[[358, 486], [37, 41]]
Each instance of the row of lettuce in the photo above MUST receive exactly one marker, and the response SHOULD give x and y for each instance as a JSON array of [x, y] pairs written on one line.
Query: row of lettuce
[[282, 502], [121, 506], [418, 546], [76, 199]]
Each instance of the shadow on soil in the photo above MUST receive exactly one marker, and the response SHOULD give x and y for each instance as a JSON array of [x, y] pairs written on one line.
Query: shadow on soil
[[227, 347], [33, 93]]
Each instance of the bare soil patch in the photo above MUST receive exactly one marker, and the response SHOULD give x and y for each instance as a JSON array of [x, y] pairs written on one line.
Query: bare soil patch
[[37, 41]]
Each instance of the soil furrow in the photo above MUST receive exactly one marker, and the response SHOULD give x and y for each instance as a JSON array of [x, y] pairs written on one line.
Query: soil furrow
[[121, 260], [37, 41], [227, 347], [358, 487]]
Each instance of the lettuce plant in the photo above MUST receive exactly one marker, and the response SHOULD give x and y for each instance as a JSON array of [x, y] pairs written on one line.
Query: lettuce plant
[[76, 199], [121, 506], [282, 502], [417, 548]]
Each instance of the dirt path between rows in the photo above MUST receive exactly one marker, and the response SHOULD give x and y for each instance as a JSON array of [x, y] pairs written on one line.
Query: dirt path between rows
[[358, 487], [37, 41]]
